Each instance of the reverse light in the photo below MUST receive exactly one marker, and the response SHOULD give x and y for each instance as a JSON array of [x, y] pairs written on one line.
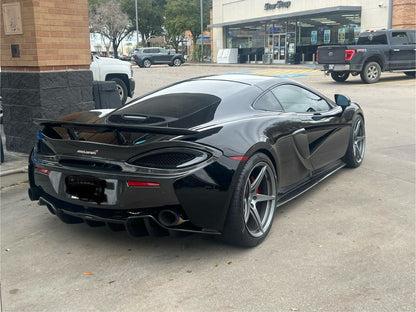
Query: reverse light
[[142, 184], [349, 54]]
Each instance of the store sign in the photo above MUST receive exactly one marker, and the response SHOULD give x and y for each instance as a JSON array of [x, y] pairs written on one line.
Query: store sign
[[277, 5]]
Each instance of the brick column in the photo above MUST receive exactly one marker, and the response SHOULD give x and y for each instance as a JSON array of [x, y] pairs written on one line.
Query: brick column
[[45, 58], [404, 14]]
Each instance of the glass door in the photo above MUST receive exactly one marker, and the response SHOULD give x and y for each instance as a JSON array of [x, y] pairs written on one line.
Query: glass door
[[279, 48]]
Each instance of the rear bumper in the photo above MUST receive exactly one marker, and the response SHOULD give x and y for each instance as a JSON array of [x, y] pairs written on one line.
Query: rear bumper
[[333, 67], [200, 196], [136, 224], [338, 67]]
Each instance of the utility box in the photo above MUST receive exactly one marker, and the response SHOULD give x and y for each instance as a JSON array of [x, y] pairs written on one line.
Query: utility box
[[105, 94], [227, 56]]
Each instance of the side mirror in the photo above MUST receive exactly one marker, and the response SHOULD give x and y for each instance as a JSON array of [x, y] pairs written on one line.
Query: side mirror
[[342, 100]]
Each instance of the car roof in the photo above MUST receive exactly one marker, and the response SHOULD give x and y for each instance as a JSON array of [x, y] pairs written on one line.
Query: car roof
[[262, 82]]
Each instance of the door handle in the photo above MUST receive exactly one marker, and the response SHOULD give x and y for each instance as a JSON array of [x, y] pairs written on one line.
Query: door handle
[[396, 50]]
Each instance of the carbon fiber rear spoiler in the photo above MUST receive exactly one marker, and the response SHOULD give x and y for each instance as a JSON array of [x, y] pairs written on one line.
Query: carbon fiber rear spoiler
[[95, 127]]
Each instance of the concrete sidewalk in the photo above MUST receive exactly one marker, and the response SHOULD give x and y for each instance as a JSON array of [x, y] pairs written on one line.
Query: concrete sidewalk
[[13, 163]]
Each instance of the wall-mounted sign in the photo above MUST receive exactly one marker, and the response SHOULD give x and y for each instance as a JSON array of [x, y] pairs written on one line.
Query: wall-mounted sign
[[314, 36], [327, 36], [277, 5], [12, 18], [341, 35]]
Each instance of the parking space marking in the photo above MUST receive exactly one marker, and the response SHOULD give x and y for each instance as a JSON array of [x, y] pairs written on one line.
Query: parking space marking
[[281, 73]]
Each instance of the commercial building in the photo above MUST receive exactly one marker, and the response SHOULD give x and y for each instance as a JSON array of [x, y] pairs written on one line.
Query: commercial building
[[269, 31]]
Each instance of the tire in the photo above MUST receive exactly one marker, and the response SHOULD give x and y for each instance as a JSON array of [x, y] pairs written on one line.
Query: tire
[[356, 147], [1, 150], [251, 211], [121, 89], [371, 72], [147, 63], [340, 76], [410, 74], [177, 62]]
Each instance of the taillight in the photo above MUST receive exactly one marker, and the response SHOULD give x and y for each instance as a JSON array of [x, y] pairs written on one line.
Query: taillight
[[136, 57], [142, 183], [349, 54], [42, 170], [317, 55]]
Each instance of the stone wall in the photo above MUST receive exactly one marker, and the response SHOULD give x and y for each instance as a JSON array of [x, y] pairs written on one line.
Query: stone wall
[[28, 95]]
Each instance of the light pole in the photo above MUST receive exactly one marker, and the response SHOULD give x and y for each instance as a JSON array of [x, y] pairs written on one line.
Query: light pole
[[202, 33], [137, 26]]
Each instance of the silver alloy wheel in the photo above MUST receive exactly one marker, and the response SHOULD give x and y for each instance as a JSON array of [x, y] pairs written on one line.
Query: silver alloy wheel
[[372, 72], [259, 199], [120, 91], [177, 62], [147, 63], [359, 141]]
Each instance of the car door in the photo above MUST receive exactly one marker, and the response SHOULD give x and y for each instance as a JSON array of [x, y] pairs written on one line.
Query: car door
[[290, 144], [402, 50], [164, 56], [322, 137]]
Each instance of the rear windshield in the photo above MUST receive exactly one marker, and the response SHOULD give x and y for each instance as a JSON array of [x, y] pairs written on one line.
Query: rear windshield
[[176, 105], [182, 98], [372, 38]]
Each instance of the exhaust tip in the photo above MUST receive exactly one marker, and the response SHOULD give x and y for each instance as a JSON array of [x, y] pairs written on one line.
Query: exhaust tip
[[169, 218]]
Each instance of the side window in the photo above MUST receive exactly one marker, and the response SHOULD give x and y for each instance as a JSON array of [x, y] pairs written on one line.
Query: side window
[[411, 34], [399, 37], [268, 102], [299, 100]]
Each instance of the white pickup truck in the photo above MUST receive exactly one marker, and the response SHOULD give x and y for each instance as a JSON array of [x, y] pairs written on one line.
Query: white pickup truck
[[109, 69]]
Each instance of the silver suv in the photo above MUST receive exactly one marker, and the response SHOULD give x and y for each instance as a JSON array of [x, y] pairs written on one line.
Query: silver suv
[[146, 57]]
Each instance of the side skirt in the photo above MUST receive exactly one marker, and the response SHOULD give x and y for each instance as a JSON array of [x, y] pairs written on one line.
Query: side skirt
[[298, 190]]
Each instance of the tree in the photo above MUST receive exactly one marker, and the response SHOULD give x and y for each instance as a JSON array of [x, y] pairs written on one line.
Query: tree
[[150, 16], [107, 19], [184, 15]]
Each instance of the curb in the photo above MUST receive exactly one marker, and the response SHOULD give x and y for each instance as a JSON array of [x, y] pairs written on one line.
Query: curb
[[13, 171]]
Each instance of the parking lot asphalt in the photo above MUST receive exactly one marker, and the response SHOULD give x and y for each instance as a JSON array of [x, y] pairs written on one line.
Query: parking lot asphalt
[[346, 245]]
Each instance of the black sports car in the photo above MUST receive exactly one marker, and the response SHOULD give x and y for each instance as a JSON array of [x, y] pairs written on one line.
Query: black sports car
[[211, 155]]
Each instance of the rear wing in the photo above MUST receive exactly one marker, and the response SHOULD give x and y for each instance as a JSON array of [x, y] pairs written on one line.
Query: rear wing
[[72, 128], [94, 127]]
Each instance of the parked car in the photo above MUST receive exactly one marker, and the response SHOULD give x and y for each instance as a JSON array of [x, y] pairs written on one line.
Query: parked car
[[376, 51], [146, 57], [110, 69], [211, 155]]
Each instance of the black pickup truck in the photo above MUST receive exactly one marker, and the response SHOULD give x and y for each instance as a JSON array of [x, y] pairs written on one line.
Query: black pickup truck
[[376, 51]]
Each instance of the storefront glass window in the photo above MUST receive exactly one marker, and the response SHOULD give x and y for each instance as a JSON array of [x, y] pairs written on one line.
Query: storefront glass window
[[289, 40]]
